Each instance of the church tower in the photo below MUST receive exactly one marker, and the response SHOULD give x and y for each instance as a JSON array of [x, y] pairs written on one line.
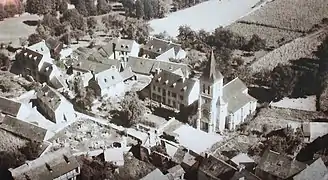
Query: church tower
[[210, 97]]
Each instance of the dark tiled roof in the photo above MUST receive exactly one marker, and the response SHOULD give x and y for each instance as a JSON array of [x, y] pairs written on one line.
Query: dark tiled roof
[[173, 82], [141, 65], [157, 46], [238, 101], [8, 106], [279, 165], [49, 97], [244, 175], [106, 50], [23, 129], [210, 72], [60, 162], [96, 67], [171, 66], [52, 43], [217, 168], [315, 171], [27, 54]]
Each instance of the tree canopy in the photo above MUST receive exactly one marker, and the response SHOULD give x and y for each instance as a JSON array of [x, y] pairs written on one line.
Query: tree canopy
[[132, 109]]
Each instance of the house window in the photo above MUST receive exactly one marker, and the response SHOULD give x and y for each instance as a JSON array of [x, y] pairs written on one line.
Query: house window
[[204, 88], [169, 101], [204, 126], [181, 97], [174, 95], [163, 100], [105, 80], [163, 92], [158, 89], [209, 90], [153, 96], [173, 103], [154, 88], [169, 93]]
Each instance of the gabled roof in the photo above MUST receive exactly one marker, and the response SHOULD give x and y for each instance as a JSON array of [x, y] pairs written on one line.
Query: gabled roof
[[173, 82], [234, 96], [124, 44], [159, 46], [210, 72], [48, 166], [49, 97], [106, 50], [155, 175], [30, 55], [315, 171], [23, 129], [171, 66], [217, 168], [244, 175], [279, 165], [52, 43], [8, 106], [108, 78]]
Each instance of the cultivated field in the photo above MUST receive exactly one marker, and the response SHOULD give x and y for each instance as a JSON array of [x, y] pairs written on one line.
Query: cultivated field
[[299, 48], [297, 15], [273, 36]]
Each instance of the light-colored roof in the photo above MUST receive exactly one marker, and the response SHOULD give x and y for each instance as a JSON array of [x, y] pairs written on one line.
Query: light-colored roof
[[315, 171], [124, 44], [23, 129], [175, 172], [59, 162], [155, 175], [315, 129], [233, 94], [127, 73], [8, 106], [96, 67], [173, 82], [108, 78], [242, 158], [113, 155]]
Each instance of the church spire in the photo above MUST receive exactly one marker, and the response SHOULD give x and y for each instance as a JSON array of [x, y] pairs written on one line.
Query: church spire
[[210, 72]]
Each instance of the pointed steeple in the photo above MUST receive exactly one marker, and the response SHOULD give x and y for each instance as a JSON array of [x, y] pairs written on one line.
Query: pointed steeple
[[210, 72]]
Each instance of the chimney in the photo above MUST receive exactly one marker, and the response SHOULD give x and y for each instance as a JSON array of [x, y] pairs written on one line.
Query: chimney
[[114, 47], [66, 159]]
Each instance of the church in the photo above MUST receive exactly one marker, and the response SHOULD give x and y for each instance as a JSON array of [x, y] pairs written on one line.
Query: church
[[221, 106]]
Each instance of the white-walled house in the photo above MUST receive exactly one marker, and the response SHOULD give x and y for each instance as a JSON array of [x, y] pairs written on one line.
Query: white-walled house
[[107, 83], [54, 106], [222, 106], [174, 89]]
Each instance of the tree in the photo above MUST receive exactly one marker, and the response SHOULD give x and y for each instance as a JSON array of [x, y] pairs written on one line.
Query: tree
[[283, 81], [3, 13], [51, 22], [62, 6], [103, 7], [148, 9], [91, 7], [129, 7], [80, 6], [95, 169], [132, 109], [4, 62], [39, 7], [75, 19], [140, 11], [160, 7], [34, 38], [136, 29], [255, 43], [322, 54], [92, 23]]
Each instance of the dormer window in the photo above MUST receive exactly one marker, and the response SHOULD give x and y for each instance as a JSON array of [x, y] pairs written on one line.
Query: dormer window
[[170, 68], [35, 58], [166, 82], [112, 77], [159, 50], [159, 79], [66, 159], [184, 88], [174, 84], [126, 46], [25, 54], [48, 167], [105, 80], [151, 47], [122, 46], [30, 56]]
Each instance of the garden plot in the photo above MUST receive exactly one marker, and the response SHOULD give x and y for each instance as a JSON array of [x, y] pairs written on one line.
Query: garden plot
[[85, 135], [296, 15], [305, 104], [273, 36]]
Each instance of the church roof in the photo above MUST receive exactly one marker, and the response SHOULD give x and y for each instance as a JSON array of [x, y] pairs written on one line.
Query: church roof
[[210, 72]]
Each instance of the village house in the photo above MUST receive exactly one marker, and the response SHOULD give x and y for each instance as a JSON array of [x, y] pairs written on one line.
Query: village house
[[221, 106], [58, 165], [212, 168], [24, 129], [161, 49], [55, 47], [148, 67], [273, 166], [314, 130], [115, 156], [13, 108], [107, 83], [173, 89], [54, 106], [35, 62]]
